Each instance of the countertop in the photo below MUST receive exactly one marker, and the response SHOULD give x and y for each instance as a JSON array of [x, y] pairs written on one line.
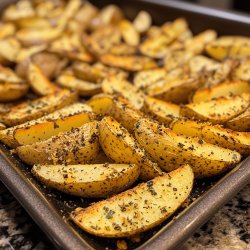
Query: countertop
[[229, 229]]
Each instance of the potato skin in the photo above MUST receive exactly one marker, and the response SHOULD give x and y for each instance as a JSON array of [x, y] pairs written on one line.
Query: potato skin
[[12, 91], [138, 209], [80, 145], [91, 181], [120, 146], [170, 150]]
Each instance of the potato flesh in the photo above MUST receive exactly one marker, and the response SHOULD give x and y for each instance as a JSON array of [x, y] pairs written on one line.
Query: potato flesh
[[171, 150], [80, 145], [238, 141], [100, 104], [223, 89], [217, 111], [137, 209], [97, 180], [31, 110], [243, 71], [12, 91], [120, 146], [161, 111]]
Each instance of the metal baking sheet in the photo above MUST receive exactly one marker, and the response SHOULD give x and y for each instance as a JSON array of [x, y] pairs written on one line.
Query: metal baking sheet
[[50, 209]]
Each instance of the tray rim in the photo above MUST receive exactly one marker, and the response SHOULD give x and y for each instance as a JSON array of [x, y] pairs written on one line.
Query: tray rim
[[58, 229]]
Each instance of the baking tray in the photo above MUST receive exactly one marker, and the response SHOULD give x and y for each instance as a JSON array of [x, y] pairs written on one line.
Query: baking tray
[[50, 209]]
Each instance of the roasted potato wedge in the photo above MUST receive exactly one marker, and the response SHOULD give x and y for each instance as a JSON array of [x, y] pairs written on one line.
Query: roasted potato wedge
[[39, 83], [124, 113], [100, 103], [67, 113], [177, 91], [113, 85], [220, 90], [39, 107], [80, 145], [214, 134], [12, 91], [94, 181], [242, 72], [164, 112], [84, 88], [2, 126], [6, 30], [129, 33], [123, 49], [45, 130], [142, 21], [234, 47], [217, 111], [10, 48], [241, 122], [8, 75], [171, 150], [152, 203], [120, 146], [129, 63]]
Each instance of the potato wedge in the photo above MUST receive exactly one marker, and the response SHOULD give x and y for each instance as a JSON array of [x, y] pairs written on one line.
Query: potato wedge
[[123, 49], [91, 181], [146, 78], [142, 21], [138, 209], [72, 111], [2, 126], [100, 103], [241, 122], [12, 91], [84, 88], [39, 83], [80, 145], [217, 111], [6, 30], [129, 63], [33, 22], [171, 150], [177, 91], [97, 72], [197, 44], [39, 107], [164, 112], [10, 48], [113, 85], [124, 113], [45, 130], [235, 47], [120, 146], [129, 34], [214, 134], [242, 72], [8, 75], [220, 90]]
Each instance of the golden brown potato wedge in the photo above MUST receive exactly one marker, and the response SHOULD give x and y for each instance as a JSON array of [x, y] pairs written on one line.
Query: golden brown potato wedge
[[217, 111], [120, 146], [223, 89], [80, 145], [39, 83], [12, 91], [92, 181], [235, 47], [197, 44], [138, 209], [242, 72], [123, 49], [97, 72], [241, 122], [146, 78], [164, 112], [6, 30], [113, 85], [124, 113], [215, 134], [8, 75], [129, 63], [39, 107], [129, 34], [2, 126], [45, 130], [84, 88], [177, 91], [33, 22], [74, 110], [142, 21], [100, 103], [171, 150], [10, 48]]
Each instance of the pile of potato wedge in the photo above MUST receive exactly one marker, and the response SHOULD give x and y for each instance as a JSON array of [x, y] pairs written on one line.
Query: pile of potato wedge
[[93, 102]]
